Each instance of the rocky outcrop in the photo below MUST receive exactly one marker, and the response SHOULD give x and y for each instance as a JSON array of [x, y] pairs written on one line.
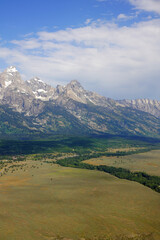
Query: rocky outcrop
[[40, 90], [146, 105]]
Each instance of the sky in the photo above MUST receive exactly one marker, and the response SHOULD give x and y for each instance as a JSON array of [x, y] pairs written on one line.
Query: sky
[[111, 47]]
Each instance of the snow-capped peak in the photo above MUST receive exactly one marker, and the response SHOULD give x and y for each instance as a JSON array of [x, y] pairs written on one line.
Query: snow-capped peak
[[11, 69], [38, 79]]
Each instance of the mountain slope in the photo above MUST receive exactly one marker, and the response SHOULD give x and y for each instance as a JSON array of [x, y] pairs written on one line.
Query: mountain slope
[[15, 123], [115, 120], [55, 119], [146, 105], [34, 107]]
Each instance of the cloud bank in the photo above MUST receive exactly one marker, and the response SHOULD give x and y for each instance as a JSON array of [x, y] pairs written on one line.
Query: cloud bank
[[147, 5], [118, 62]]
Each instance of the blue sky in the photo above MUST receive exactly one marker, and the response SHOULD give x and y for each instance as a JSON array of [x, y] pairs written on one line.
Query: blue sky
[[19, 17], [110, 46]]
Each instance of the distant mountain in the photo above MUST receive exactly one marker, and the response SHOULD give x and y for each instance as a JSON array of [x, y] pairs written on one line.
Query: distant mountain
[[34, 107], [146, 105]]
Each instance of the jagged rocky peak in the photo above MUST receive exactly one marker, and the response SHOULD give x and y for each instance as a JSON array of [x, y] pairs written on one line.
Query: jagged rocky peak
[[140, 102], [144, 101], [12, 72], [10, 77], [75, 91], [14, 91], [24, 96], [36, 83], [11, 69], [146, 105], [75, 85], [36, 80], [40, 89]]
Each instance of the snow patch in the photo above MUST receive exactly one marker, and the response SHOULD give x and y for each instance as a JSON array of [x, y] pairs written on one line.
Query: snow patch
[[11, 69], [7, 83], [41, 90], [90, 100], [41, 98], [38, 80]]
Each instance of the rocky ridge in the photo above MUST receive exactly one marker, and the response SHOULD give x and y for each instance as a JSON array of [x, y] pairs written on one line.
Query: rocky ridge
[[20, 95], [72, 108], [146, 105]]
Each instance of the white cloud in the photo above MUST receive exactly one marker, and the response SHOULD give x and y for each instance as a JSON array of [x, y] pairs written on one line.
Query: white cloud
[[124, 17], [147, 5], [119, 62], [27, 44], [88, 21]]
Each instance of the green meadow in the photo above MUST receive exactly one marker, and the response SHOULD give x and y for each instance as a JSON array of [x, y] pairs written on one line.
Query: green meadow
[[148, 162]]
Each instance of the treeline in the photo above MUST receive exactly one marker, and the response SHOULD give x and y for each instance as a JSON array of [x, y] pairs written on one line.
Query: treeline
[[115, 154], [77, 159], [152, 182]]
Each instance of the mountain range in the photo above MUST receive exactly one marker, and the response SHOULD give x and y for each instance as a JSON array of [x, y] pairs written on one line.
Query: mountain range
[[34, 107]]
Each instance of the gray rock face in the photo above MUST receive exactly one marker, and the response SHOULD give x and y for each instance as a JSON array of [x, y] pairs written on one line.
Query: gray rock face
[[146, 105], [32, 96], [76, 92], [40, 89], [16, 93], [10, 79]]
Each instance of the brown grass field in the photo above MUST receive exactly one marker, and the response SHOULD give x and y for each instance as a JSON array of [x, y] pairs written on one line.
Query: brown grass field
[[42, 201], [148, 162]]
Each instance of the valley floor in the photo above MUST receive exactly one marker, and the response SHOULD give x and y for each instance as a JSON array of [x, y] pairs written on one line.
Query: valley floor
[[45, 201], [148, 162]]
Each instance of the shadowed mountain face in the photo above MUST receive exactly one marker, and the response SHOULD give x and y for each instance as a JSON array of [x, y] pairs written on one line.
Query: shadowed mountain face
[[35, 107]]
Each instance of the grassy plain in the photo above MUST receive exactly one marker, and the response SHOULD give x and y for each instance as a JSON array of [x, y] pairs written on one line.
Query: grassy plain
[[148, 162], [40, 200], [44, 201]]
